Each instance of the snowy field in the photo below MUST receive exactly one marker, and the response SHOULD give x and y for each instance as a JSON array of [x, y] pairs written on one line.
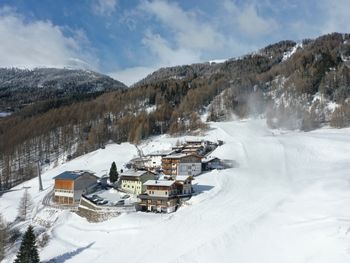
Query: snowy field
[[287, 201]]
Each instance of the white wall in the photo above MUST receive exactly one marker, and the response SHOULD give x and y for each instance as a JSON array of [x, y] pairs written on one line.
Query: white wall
[[189, 169]]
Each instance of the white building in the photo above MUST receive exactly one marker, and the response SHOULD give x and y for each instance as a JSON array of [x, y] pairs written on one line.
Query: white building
[[154, 159], [182, 164]]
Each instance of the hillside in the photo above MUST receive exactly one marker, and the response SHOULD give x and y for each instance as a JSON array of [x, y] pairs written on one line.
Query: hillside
[[290, 205], [20, 87], [297, 86]]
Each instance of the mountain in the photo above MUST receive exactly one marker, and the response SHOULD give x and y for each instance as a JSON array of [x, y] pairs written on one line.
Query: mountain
[[20, 87], [303, 85], [274, 52], [295, 85]]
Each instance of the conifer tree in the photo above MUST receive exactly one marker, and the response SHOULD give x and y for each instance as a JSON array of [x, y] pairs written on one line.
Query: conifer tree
[[28, 252], [113, 173]]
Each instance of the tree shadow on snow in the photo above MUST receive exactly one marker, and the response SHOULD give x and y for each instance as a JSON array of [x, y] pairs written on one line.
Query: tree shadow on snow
[[62, 258]]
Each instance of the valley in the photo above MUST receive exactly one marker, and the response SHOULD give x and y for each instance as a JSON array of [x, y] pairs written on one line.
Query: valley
[[286, 201]]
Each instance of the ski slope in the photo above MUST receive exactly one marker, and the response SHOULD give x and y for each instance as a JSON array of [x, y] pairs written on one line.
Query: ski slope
[[288, 200]]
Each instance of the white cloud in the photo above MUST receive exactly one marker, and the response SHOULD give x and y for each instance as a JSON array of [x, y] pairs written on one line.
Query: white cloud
[[189, 30], [104, 7], [337, 18], [191, 37], [166, 55], [130, 76], [38, 43], [249, 22]]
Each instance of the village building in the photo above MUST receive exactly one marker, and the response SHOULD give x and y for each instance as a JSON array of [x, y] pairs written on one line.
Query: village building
[[132, 181], [193, 150], [71, 185], [155, 159], [138, 163], [177, 148], [184, 185], [182, 164], [194, 142], [166, 195], [212, 163], [198, 147], [160, 196]]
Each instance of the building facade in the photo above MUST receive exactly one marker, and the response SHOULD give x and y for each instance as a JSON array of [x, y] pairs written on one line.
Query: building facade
[[183, 185], [182, 164], [155, 159], [160, 196], [133, 181], [70, 185]]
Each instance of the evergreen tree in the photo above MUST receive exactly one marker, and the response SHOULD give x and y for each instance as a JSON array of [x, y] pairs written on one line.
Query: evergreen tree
[[28, 252], [113, 173]]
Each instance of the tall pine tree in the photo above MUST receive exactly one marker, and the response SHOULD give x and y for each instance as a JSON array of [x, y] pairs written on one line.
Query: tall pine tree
[[28, 252], [113, 173]]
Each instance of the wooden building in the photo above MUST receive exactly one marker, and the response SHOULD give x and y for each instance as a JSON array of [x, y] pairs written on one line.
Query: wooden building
[[166, 195], [182, 164], [70, 185], [132, 181], [160, 196]]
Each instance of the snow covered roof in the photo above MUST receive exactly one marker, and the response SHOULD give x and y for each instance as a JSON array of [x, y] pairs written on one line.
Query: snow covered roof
[[161, 153], [209, 159], [191, 149], [133, 173], [159, 182], [182, 177], [178, 155], [72, 175], [194, 141]]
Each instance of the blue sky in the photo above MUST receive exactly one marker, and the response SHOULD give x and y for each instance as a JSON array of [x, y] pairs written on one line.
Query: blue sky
[[127, 39]]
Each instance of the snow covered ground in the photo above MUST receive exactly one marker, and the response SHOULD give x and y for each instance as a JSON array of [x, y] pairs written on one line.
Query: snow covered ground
[[287, 201]]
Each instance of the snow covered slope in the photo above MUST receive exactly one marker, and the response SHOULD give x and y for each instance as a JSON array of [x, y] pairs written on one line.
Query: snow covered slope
[[287, 201]]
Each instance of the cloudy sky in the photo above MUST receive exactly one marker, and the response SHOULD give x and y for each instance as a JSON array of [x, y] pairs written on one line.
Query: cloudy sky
[[127, 39]]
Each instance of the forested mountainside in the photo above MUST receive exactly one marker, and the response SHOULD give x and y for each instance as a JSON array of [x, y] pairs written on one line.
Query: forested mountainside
[[22, 87], [295, 85]]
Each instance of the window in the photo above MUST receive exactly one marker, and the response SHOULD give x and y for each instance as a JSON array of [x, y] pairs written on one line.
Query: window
[[166, 193]]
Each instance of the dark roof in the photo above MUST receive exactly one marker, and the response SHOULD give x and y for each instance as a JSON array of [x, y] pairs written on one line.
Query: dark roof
[[72, 175]]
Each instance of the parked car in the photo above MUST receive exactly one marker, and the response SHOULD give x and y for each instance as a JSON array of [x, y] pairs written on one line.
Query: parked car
[[95, 199], [102, 202], [120, 202], [125, 196]]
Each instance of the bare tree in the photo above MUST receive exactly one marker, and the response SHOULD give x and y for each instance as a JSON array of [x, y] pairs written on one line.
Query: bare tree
[[3, 237], [25, 206]]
